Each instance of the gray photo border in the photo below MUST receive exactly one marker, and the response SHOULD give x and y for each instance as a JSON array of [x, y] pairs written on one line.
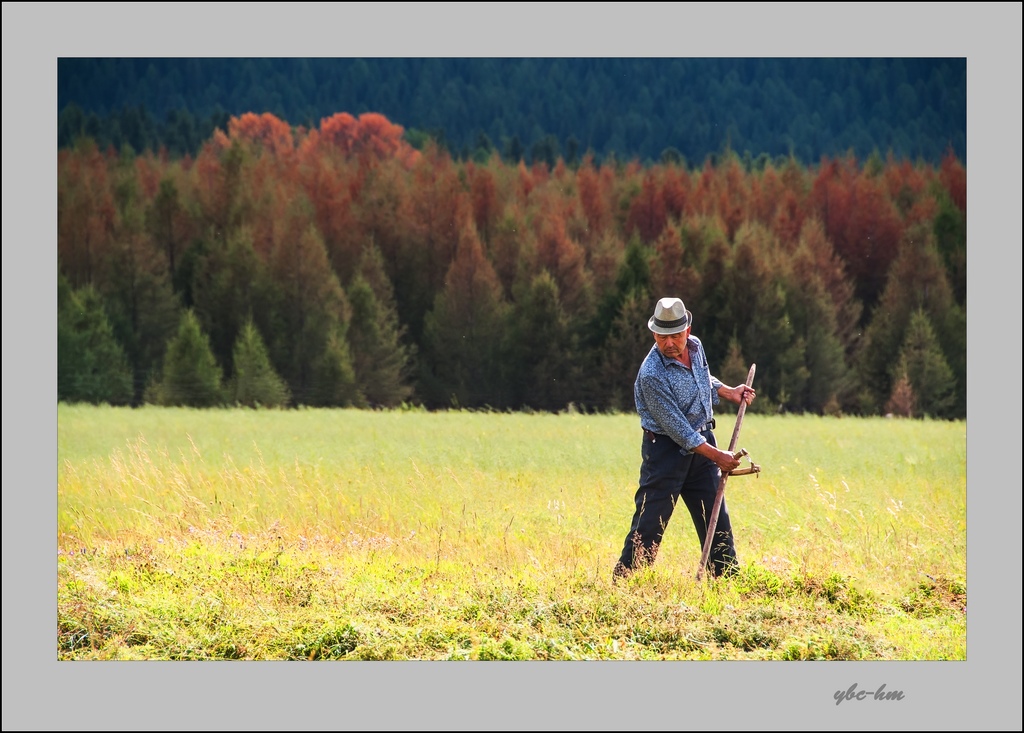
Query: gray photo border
[[41, 694]]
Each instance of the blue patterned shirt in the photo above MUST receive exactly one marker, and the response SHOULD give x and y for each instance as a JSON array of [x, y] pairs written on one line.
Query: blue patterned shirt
[[673, 400]]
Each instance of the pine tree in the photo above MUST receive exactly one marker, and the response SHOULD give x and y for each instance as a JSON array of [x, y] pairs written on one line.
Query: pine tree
[[334, 379], [539, 363], [757, 306], [229, 281], [463, 333], [133, 277], [309, 310], [821, 350], [380, 358], [733, 370], [91, 365], [633, 280], [916, 280], [191, 375], [922, 361], [627, 344], [255, 383]]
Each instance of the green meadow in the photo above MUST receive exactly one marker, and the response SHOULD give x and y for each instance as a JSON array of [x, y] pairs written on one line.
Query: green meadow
[[188, 534]]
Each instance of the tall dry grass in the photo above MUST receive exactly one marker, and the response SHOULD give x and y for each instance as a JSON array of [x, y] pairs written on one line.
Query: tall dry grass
[[488, 529]]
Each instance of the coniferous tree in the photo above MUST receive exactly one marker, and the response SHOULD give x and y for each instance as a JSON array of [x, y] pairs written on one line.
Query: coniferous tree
[[310, 311], [921, 360], [85, 212], [228, 282], [820, 349], [463, 332], [334, 379], [816, 259], [951, 241], [633, 280], [916, 280], [561, 256], [628, 342], [255, 383], [672, 270], [540, 362], [191, 375], [381, 360], [757, 306], [91, 365], [168, 224], [733, 370], [133, 278], [711, 255]]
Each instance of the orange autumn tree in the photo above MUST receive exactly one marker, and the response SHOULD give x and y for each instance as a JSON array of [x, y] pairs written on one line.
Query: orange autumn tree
[[647, 211], [437, 204], [675, 191], [775, 204], [327, 183], [816, 259], [732, 196], [272, 133], [557, 253], [370, 137], [673, 270], [86, 215], [483, 193], [595, 199], [463, 332], [860, 220]]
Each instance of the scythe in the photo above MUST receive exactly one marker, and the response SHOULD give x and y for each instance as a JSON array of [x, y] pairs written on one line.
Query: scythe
[[720, 494]]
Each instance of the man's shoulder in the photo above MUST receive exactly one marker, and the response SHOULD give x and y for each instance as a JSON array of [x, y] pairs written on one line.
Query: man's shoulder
[[653, 363]]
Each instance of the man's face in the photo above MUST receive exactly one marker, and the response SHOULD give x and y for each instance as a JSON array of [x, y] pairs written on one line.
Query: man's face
[[672, 345]]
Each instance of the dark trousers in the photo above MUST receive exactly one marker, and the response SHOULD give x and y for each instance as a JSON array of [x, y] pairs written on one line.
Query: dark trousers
[[665, 475]]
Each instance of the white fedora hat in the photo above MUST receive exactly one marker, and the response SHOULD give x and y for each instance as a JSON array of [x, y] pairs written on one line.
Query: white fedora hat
[[670, 316]]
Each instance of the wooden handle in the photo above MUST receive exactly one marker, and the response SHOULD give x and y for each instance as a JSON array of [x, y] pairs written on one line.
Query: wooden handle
[[713, 520], [742, 410]]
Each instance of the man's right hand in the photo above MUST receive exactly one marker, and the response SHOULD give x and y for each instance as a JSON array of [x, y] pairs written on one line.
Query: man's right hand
[[724, 459]]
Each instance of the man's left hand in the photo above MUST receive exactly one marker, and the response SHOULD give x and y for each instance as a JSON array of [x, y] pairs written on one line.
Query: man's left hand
[[740, 392]]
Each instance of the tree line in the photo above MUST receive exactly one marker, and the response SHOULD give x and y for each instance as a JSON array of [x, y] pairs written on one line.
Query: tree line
[[341, 266], [539, 109]]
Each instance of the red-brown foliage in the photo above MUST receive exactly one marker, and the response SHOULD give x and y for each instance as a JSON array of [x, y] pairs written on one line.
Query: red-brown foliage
[[954, 178], [86, 215], [484, 196], [370, 137], [594, 200], [272, 133], [647, 211], [675, 191]]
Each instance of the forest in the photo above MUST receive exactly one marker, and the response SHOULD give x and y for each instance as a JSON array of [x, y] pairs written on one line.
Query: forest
[[651, 109], [341, 265]]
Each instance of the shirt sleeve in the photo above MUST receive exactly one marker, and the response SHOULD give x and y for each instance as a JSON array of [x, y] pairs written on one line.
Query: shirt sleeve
[[715, 384], [661, 405]]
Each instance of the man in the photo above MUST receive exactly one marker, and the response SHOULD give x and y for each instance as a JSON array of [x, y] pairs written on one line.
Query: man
[[674, 393]]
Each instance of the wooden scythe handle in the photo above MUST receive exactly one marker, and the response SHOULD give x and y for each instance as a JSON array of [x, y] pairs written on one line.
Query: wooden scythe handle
[[720, 494]]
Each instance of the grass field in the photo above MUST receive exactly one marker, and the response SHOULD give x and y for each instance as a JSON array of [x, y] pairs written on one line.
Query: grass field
[[345, 534]]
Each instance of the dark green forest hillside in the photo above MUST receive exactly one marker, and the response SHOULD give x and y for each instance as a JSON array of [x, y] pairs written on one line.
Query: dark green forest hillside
[[539, 109]]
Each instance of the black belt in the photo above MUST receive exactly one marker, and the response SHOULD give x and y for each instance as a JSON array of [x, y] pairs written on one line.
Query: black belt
[[654, 436]]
